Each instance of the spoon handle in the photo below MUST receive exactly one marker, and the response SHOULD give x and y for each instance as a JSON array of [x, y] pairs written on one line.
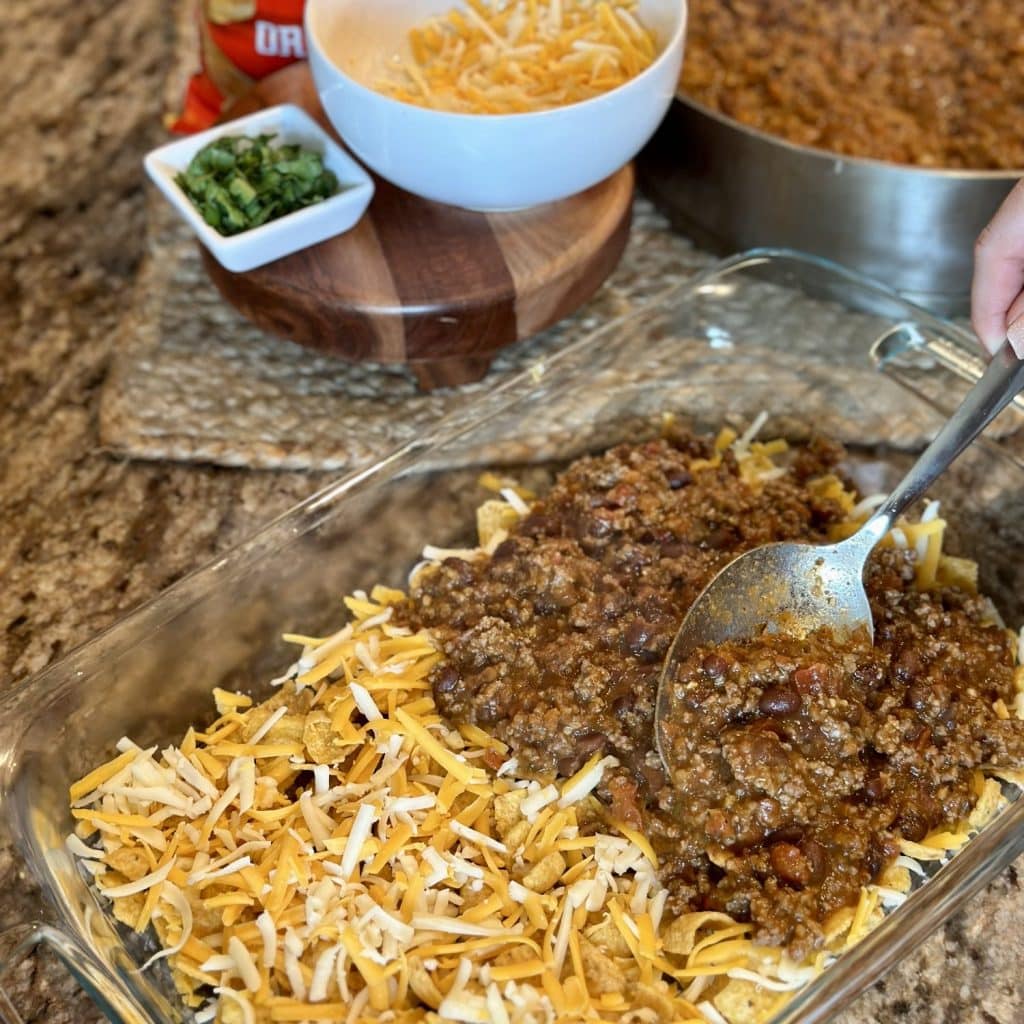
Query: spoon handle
[[1001, 381]]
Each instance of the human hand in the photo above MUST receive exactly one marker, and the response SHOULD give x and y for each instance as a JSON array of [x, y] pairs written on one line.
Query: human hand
[[997, 291]]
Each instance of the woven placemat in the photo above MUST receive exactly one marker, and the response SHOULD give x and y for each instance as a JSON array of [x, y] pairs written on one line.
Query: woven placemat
[[192, 380]]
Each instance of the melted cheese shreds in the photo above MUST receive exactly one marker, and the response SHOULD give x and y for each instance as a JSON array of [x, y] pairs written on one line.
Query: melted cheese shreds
[[471, 835], [366, 704], [114, 892], [517, 57], [226, 700], [362, 825], [239, 1000], [639, 840], [946, 840], [342, 846], [586, 780], [100, 775], [176, 899], [244, 963], [460, 770], [80, 849], [862, 916], [536, 801]]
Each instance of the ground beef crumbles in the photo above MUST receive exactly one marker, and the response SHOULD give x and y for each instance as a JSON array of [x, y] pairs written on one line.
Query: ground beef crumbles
[[935, 83], [807, 760]]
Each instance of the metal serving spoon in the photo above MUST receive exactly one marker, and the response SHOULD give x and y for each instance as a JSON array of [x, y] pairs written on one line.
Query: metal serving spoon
[[796, 588]]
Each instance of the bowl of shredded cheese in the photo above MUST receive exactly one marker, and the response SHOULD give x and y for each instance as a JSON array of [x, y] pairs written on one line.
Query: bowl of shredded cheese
[[490, 105]]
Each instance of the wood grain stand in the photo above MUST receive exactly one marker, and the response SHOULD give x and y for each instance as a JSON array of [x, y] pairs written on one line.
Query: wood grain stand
[[437, 287]]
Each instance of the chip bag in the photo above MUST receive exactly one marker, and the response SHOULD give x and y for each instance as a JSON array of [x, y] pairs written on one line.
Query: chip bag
[[240, 42]]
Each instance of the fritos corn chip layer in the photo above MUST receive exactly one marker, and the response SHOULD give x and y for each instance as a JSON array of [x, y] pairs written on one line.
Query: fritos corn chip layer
[[338, 852]]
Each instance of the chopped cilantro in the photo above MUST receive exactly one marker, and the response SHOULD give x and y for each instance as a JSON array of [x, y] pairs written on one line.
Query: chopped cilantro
[[239, 183]]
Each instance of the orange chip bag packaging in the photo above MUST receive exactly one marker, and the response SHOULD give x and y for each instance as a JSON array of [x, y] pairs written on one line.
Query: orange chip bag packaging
[[241, 41]]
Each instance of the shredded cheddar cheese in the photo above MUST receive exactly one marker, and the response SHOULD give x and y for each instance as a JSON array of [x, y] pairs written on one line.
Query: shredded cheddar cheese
[[400, 885], [338, 853], [515, 57]]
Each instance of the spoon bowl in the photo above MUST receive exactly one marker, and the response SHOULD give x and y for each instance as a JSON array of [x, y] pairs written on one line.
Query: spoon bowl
[[779, 588], [795, 588]]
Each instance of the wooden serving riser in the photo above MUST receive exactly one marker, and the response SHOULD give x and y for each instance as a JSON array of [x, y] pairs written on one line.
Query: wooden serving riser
[[436, 287]]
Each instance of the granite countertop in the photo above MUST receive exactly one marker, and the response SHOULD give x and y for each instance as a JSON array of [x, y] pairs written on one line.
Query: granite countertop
[[85, 537]]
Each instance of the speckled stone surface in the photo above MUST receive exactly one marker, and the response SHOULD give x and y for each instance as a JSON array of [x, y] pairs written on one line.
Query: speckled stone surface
[[85, 536]]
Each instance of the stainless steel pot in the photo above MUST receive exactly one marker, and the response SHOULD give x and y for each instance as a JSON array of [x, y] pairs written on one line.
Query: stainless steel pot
[[730, 187]]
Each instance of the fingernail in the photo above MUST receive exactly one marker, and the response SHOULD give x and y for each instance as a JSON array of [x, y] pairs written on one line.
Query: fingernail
[[1015, 336], [992, 344]]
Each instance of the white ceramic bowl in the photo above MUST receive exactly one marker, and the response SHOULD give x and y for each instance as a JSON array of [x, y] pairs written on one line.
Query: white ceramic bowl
[[287, 234], [480, 161]]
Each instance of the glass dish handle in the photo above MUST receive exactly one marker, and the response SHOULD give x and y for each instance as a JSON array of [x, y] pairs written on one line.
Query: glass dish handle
[[958, 353], [20, 941]]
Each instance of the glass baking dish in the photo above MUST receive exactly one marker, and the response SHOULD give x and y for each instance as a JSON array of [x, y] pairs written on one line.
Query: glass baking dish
[[813, 345]]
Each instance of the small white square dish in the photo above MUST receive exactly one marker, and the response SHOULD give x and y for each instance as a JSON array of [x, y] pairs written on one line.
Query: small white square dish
[[284, 235]]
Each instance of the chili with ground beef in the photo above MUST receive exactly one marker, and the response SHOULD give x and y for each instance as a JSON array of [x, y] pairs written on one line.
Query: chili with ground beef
[[807, 760], [936, 83]]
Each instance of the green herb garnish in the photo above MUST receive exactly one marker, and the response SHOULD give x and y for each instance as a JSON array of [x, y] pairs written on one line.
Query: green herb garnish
[[239, 183]]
